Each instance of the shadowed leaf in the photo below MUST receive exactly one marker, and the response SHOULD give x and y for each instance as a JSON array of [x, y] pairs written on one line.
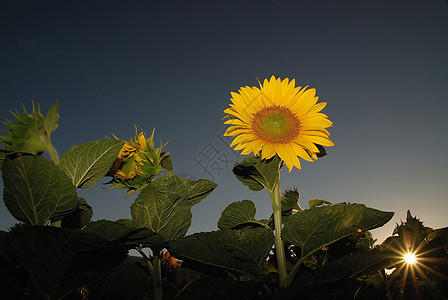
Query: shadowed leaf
[[257, 173], [318, 227], [60, 260], [237, 214], [79, 217], [121, 232], [243, 251]]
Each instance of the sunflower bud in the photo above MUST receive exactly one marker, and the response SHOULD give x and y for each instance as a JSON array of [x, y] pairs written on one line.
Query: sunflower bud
[[138, 163], [31, 133]]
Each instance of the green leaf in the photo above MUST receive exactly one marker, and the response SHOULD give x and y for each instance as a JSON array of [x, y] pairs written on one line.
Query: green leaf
[[86, 164], [121, 232], [36, 190], [51, 119], [315, 228], [197, 190], [3, 154], [243, 251], [164, 206], [59, 260], [318, 202], [257, 173], [79, 217], [237, 214]]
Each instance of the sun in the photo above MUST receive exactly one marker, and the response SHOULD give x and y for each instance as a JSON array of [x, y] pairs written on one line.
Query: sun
[[410, 258]]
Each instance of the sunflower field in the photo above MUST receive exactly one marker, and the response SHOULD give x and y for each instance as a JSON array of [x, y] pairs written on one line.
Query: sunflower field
[[326, 251]]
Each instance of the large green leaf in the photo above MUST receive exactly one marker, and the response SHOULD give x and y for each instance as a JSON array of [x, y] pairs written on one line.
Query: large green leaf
[[121, 232], [86, 164], [315, 228], [257, 173], [243, 251], [59, 260], [36, 190], [164, 206], [238, 214]]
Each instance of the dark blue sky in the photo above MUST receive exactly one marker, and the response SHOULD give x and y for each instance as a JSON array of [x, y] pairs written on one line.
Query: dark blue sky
[[382, 66]]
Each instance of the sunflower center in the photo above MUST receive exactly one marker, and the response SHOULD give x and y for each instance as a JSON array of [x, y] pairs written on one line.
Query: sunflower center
[[276, 124]]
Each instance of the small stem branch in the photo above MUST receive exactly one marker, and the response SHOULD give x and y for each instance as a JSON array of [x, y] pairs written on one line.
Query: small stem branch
[[279, 247], [56, 223]]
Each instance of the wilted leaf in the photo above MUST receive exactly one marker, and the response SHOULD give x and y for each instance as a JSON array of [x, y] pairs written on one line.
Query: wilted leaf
[[318, 227], [36, 190], [164, 206], [257, 173], [243, 251], [86, 164], [239, 213]]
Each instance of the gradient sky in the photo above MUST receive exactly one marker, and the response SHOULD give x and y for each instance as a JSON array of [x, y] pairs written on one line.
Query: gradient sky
[[382, 66]]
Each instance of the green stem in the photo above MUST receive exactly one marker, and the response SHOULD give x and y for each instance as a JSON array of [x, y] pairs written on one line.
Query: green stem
[[383, 274], [157, 275], [279, 247], [147, 260], [53, 153]]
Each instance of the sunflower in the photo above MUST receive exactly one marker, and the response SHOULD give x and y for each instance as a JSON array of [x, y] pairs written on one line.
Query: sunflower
[[278, 118], [138, 163]]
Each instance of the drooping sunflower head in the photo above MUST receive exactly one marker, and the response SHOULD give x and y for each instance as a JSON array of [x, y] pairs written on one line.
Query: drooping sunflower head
[[31, 132], [278, 118], [138, 163]]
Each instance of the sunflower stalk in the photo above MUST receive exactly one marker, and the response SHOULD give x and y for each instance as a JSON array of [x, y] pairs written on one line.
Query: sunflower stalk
[[280, 250], [157, 275]]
